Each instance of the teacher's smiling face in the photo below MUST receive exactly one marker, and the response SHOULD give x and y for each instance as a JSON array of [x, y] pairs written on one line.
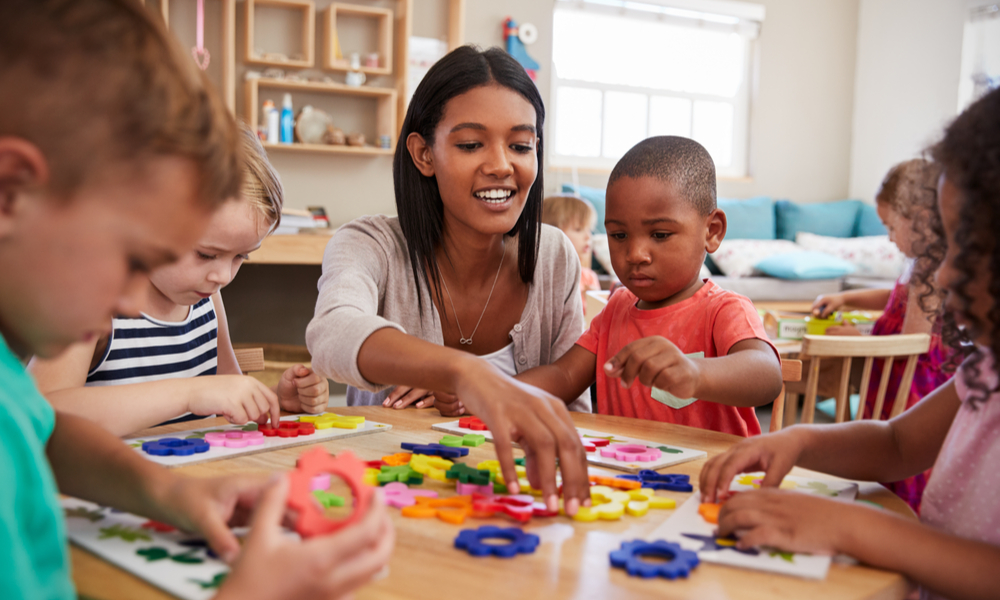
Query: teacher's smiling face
[[484, 158]]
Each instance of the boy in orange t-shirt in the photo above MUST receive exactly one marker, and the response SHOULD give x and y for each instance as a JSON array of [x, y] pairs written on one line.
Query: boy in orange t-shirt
[[699, 352]]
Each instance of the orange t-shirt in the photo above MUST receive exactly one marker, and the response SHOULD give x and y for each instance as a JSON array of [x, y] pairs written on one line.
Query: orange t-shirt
[[710, 321]]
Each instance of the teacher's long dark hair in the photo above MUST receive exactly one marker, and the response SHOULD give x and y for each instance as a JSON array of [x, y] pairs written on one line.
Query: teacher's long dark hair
[[418, 201]]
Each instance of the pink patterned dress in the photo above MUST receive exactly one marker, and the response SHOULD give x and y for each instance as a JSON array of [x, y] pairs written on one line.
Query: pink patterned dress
[[928, 377]]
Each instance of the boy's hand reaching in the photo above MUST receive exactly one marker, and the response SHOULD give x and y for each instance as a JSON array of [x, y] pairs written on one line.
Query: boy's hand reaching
[[656, 362], [303, 390], [238, 398]]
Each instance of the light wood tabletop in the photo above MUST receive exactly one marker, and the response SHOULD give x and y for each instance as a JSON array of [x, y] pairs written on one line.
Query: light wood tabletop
[[572, 560]]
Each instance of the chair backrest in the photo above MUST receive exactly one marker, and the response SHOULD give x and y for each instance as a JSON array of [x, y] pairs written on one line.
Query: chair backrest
[[791, 370], [887, 347], [250, 360]]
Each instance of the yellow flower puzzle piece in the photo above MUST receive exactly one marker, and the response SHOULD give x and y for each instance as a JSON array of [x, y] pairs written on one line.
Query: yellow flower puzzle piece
[[755, 480], [431, 466], [328, 420]]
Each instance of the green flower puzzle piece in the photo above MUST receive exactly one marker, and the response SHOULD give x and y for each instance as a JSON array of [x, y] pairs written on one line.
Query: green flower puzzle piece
[[250, 427], [499, 488], [213, 584], [466, 474], [126, 533], [83, 513], [669, 450], [469, 439], [821, 488], [520, 461], [328, 499], [786, 556], [155, 553], [402, 474], [452, 441]]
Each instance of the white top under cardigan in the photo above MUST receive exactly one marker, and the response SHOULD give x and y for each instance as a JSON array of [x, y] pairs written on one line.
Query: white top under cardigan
[[367, 284]]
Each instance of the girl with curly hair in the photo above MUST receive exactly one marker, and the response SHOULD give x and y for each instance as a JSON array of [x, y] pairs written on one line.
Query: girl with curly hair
[[953, 551]]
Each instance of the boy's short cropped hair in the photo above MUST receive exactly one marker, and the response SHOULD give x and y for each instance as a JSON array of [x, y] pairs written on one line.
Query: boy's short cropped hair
[[564, 211], [100, 84], [680, 161]]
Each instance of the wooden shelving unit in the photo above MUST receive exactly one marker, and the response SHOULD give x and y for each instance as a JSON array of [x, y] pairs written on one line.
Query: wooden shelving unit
[[385, 118], [384, 17], [308, 10]]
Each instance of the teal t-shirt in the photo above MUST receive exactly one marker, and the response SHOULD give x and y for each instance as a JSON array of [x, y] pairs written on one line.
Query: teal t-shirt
[[34, 559]]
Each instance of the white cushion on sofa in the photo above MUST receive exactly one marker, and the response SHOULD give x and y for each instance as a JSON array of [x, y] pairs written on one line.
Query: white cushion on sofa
[[736, 258], [873, 256]]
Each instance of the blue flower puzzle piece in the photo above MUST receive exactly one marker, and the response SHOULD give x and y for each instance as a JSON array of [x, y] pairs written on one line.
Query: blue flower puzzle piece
[[435, 450], [679, 562], [175, 447], [471, 540], [673, 482]]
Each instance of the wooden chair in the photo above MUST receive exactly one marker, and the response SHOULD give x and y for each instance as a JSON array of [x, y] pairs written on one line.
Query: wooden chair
[[887, 347], [791, 370], [250, 360]]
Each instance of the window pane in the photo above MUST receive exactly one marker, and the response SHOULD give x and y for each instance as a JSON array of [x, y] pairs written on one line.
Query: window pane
[[713, 129], [578, 122], [669, 116], [624, 122], [629, 51]]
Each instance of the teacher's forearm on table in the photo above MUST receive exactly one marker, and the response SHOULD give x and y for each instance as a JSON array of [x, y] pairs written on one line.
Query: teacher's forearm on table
[[391, 357]]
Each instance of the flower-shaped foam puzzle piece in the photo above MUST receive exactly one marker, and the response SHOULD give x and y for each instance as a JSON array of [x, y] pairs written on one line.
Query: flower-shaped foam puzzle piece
[[473, 423], [591, 444], [637, 508], [786, 484], [514, 507], [401, 474], [631, 452], [311, 519], [711, 542], [600, 494], [400, 496], [710, 512], [679, 562], [328, 420], [433, 467], [450, 510], [468, 489], [466, 474], [471, 540], [435, 450], [328, 499], [235, 439], [615, 482], [673, 482], [370, 477], [469, 439], [175, 447], [397, 459], [286, 429]]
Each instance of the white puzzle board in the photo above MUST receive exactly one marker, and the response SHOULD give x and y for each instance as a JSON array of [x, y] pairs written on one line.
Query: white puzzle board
[[270, 443], [158, 557], [671, 455], [686, 520]]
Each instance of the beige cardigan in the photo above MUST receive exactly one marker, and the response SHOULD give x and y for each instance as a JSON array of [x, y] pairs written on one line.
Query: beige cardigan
[[367, 284]]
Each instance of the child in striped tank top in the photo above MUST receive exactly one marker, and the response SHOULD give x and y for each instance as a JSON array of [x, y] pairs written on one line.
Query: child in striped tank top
[[175, 361]]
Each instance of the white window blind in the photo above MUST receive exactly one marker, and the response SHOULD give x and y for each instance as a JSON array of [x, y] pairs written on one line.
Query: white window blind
[[624, 71]]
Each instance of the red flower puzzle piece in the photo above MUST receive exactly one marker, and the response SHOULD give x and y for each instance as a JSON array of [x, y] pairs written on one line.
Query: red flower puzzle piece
[[473, 423], [311, 519]]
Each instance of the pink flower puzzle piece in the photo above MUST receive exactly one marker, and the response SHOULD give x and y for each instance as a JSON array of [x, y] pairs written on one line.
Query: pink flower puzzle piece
[[399, 495], [631, 452], [234, 439]]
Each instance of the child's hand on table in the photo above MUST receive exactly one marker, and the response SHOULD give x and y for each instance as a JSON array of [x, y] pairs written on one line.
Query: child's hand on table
[[273, 565], [301, 389], [656, 362], [789, 521], [774, 453], [402, 396], [238, 398], [826, 304]]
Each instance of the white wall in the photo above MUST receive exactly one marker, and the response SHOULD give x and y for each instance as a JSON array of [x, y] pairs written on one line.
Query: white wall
[[906, 87]]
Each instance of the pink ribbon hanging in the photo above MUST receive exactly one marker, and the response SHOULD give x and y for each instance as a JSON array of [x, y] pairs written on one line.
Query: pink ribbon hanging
[[199, 52]]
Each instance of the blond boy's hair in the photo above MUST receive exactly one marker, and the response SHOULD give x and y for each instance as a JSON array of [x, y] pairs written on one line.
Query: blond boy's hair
[[565, 211], [261, 183], [99, 85]]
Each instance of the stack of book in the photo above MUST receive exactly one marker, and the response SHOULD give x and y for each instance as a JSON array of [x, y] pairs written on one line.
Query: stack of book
[[294, 220]]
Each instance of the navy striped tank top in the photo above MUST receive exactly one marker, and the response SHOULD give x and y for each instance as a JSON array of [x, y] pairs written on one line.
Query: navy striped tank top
[[147, 349]]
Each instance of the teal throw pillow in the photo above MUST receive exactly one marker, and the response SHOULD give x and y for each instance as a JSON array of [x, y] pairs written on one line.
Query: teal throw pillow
[[594, 196], [750, 219], [804, 265], [833, 219], [868, 222]]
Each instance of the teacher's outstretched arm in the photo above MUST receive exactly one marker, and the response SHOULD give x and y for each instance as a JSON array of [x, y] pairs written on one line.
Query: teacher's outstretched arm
[[514, 411]]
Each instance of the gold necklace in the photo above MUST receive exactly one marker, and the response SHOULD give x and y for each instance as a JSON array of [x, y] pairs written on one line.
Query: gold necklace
[[467, 341]]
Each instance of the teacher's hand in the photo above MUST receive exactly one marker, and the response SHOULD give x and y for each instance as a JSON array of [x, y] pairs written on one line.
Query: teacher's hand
[[539, 423]]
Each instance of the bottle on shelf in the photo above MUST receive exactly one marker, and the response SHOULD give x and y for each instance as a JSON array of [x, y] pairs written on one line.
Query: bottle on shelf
[[287, 121], [272, 128]]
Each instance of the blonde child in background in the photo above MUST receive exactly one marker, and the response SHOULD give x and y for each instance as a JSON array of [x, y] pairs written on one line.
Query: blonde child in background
[[907, 205], [149, 368], [114, 154], [670, 346], [576, 218], [954, 550]]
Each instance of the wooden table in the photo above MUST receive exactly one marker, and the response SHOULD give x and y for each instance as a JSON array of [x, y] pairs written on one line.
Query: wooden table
[[571, 562]]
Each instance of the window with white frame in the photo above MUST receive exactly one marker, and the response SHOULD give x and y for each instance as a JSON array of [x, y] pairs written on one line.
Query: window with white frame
[[627, 70]]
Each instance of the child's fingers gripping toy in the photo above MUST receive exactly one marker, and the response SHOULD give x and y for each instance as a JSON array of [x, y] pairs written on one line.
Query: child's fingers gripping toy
[[311, 520]]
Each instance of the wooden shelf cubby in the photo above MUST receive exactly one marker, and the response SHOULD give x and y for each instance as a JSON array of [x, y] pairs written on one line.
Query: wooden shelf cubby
[[384, 18], [308, 10], [385, 117]]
